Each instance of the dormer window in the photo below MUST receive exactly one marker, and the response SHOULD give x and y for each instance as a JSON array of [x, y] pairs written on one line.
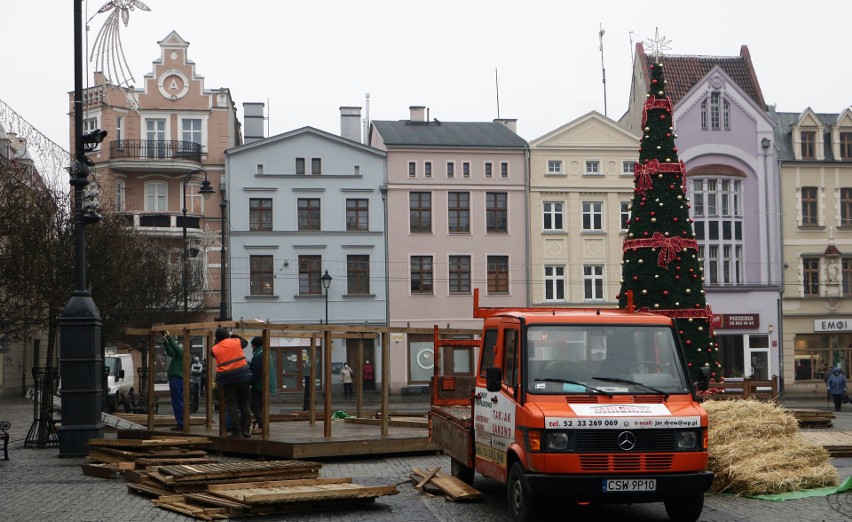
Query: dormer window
[[808, 144], [846, 145]]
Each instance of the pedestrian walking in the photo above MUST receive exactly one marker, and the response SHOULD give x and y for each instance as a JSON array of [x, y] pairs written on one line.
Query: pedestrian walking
[[233, 376], [175, 376], [837, 387], [346, 377]]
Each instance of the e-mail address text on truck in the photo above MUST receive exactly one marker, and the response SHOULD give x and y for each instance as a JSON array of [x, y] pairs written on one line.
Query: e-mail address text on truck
[[583, 405]]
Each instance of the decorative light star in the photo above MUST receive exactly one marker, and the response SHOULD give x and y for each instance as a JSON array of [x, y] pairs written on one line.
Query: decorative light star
[[658, 44], [107, 52]]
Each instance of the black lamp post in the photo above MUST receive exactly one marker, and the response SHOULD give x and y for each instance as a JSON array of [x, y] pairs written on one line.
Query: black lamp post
[[80, 354], [223, 290], [206, 190], [326, 282]]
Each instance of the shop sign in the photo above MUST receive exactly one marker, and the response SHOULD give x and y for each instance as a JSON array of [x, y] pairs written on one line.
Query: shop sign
[[743, 321], [843, 324]]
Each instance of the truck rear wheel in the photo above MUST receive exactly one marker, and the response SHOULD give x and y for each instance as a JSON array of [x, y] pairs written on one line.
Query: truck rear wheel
[[462, 472], [685, 508], [521, 501]]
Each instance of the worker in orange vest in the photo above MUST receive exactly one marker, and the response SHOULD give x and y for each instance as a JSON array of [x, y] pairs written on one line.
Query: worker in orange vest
[[233, 376]]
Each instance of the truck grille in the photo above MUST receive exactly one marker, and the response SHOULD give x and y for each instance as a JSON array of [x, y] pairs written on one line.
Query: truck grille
[[627, 462], [606, 441], [600, 399]]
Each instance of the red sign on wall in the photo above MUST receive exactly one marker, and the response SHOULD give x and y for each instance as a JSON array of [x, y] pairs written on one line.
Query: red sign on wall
[[735, 321]]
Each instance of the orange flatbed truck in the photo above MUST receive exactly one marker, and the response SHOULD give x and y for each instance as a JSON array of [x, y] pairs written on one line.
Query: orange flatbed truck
[[578, 405]]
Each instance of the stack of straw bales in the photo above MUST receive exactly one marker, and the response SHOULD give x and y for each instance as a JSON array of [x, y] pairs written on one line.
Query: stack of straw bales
[[756, 449]]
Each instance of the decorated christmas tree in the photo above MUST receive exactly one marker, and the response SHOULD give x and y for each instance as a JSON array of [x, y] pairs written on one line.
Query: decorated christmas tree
[[661, 267]]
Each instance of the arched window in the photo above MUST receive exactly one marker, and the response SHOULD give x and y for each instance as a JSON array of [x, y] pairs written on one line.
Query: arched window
[[717, 205]]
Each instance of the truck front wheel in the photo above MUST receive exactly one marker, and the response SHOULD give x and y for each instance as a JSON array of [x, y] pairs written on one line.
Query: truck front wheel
[[685, 508], [521, 501], [462, 472]]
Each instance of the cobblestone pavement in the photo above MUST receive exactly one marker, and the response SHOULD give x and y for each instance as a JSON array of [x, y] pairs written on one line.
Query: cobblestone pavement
[[36, 485]]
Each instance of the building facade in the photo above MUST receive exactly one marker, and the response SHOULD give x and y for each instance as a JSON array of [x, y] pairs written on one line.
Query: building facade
[[163, 138], [456, 201], [581, 186], [815, 153], [726, 139], [304, 204], [21, 352]]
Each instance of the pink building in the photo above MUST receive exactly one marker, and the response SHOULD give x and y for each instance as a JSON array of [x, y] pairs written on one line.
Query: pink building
[[168, 135], [457, 220]]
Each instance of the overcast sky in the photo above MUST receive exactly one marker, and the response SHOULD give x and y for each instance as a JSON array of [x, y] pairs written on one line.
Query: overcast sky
[[308, 58]]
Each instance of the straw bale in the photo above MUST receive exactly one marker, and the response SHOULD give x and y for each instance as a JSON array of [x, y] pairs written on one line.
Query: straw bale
[[756, 449]]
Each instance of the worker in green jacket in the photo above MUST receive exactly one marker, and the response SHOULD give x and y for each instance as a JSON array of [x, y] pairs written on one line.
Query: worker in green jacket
[[175, 374]]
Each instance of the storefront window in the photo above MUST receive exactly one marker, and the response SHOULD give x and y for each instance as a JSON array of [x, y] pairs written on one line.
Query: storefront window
[[731, 355], [816, 354]]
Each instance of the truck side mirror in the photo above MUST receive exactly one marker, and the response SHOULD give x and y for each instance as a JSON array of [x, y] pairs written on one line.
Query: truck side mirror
[[704, 383], [121, 374], [493, 379]]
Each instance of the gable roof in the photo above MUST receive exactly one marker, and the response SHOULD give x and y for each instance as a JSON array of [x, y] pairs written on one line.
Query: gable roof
[[303, 131], [684, 71], [587, 119], [406, 133]]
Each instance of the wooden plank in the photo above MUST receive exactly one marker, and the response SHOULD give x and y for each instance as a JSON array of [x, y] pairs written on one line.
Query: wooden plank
[[279, 483], [172, 461], [99, 470], [285, 494], [427, 478], [148, 443], [147, 489], [207, 498], [122, 466], [453, 487], [397, 422], [234, 471]]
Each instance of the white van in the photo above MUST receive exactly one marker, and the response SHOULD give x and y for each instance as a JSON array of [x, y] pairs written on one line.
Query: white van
[[121, 377]]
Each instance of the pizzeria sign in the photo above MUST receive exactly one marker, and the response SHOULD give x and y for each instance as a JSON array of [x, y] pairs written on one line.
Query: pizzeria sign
[[745, 321]]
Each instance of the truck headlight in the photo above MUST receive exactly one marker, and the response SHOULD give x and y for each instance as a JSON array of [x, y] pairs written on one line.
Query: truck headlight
[[686, 440], [557, 441]]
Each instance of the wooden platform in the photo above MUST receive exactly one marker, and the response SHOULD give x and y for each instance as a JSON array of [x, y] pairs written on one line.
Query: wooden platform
[[301, 440], [838, 443]]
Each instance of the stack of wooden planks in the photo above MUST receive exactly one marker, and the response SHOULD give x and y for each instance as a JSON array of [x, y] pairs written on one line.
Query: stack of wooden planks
[[434, 481], [123, 455], [813, 418], [182, 478], [213, 491]]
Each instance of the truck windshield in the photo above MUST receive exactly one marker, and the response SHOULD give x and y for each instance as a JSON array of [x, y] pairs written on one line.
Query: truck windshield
[[566, 359]]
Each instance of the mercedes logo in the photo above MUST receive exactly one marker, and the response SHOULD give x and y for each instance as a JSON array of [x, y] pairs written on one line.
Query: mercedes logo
[[626, 440]]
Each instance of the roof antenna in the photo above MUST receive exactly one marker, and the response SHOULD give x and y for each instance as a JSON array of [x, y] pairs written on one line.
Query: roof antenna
[[603, 69], [497, 84]]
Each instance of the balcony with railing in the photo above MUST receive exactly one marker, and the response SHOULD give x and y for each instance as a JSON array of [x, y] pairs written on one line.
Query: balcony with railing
[[163, 223], [167, 153]]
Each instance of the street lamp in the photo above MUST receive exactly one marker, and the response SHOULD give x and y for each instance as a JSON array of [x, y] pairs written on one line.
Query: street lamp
[[223, 271], [206, 190], [326, 282], [80, 353]]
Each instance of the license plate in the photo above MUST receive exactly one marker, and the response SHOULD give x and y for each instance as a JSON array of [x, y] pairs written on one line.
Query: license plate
[[622, 485]]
